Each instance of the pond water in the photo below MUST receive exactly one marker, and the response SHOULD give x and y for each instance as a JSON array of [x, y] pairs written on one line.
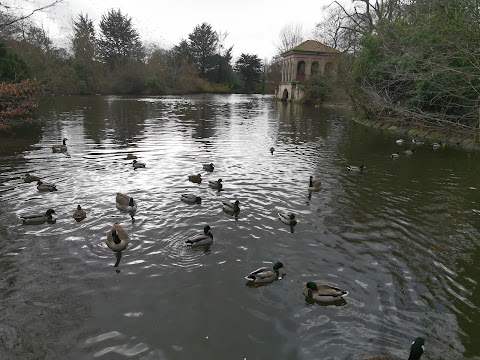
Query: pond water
[[402, 238]]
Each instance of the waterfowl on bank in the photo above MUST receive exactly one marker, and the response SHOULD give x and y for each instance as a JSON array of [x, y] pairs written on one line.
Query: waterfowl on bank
[[208, 167], [409, 152], [323, 293], [37, 219], [216, 184], [395, 155], [360, 168], [314, 185], [79, 214], [126, 203], [191, 199], [60, 148], [265, 275], [41, 186], [272, 149], [417, 142], [195, 178], [30, 178], [137, 165], [416, 352], [400, 141], [287, 218], [436, 146], [201, 239], [231, 207], [130, 157], [117, 238]]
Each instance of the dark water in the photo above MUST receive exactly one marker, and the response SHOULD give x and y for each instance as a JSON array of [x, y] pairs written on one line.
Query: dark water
[[402, 238]]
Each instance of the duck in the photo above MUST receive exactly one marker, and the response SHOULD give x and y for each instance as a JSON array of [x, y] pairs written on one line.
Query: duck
[[231, 207], [191, 199], [126, 203], [216, 184], [130, 157], [195, 178], [416, 351], [41, 186], [208, 167], [395, 155], [360, 168], [409, 152], [287, 218], [117, 238], [201, 239], [60, 148], [323, 293], [37, 219], [266, 275], [272, 149], [417, 142], [30, 178], [79, 214], [136, 164], [314, 185], [438, 145], [400, 141]]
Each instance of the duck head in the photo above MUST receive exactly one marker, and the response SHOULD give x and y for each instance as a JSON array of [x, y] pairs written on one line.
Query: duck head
[[311, 285], [292, 216], [206, 229], [64, 140], [278, 265], [311, 181], [50, 212], [131, 202], [416, 350], [79, 207]]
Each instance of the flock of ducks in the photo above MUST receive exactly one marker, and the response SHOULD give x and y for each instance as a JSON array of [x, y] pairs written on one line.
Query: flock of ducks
[[410, 152], [118, 239]]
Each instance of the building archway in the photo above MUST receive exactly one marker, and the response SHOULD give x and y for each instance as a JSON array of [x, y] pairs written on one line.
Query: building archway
[[285, 95], [329, 68], [300, 71], [315, 68]]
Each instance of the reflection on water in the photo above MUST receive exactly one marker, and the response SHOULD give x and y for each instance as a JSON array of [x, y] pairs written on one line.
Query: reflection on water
[[402, 238]]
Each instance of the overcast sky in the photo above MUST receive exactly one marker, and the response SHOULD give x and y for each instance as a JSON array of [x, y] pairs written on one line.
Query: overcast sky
[[252, 25]]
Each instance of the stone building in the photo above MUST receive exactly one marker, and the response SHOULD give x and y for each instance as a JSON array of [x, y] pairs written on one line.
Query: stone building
[[301, 63]]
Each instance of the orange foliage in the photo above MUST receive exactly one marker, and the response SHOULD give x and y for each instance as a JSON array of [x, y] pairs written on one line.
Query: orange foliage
[[18, 100]]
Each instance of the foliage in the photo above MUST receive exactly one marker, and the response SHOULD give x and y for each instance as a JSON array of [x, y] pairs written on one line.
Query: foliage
[[317, 89], [202, 46], [12, 67], [249, 69]]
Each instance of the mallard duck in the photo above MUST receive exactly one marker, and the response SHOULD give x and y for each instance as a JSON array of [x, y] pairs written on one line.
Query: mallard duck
[[323, 293], [79, 214], [287, 218], [409, 152], [399, 141], [216, 184], [272, 149], [130, 157], [201, 239], [417, 142], [191, 199], [265, 274], [195, 178], [231, 207], [314, 185], [41, 186], [37, 219], [208, 167], [117, 238], [136, 164], [416, 352], [60, 148], [126, 203], [30, 178], [360, 168], [395, 155]]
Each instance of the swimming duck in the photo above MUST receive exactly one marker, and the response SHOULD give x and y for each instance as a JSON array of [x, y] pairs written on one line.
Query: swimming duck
[[287, 218], [126, 203], [323, 293], [130, 157], [399, 141], [136, 164], [436, 146], [195, 178], [266, 275], [60, 148], [314, 185], [30, 178], [117, 238], [216, 184], [191, 199], [41, 186], [208, 167], [409, 152], [416, 352], [79, 214], [202, 239], [395, 155], [37, 219], [417, 142], [272, 149], [360, 168], [231, 207]]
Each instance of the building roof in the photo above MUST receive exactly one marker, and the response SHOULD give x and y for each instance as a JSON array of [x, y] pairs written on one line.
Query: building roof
[[312, 46]]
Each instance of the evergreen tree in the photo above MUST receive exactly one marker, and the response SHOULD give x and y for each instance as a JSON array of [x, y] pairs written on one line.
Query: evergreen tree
[[249, 68], [202, 47]]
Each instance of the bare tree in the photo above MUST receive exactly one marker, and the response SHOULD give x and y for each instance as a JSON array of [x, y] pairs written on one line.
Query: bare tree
[[12, 12], [290, 36]]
